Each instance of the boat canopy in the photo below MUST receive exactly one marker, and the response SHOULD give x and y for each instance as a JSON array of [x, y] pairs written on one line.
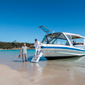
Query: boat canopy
[[74, 36], [64, 38], [61, 35]]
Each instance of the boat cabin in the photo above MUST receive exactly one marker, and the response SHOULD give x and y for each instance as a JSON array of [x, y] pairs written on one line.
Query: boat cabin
[[63, 39]]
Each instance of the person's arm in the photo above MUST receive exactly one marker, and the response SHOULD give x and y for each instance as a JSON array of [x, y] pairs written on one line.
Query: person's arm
[[32, 45], [40, 43], [20, 51]]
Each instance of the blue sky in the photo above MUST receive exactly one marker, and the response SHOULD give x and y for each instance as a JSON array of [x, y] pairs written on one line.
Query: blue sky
[[20, 19]]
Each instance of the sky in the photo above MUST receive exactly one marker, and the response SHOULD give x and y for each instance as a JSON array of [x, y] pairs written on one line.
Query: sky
[[20, 19]]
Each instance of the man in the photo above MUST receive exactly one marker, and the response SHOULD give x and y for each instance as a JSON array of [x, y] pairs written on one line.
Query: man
[[24, 52], [37, 46], [74, 43]]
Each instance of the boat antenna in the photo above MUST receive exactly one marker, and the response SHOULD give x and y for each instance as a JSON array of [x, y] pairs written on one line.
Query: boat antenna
[[47, 31]]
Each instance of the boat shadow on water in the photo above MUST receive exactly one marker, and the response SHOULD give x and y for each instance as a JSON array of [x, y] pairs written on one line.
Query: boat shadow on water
[[66, 58], [41, 59], [17, 60], [30, 58], [49, 58]]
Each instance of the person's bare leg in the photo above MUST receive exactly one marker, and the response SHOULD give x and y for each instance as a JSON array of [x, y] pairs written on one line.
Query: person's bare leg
[[35, 56], [35, 53], [38, 52]]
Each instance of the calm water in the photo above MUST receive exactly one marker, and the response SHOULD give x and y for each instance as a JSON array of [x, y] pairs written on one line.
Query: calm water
[[46, 72], [10, 58]]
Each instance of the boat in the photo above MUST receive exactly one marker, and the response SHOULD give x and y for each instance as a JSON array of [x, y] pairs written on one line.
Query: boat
[[61, 44]]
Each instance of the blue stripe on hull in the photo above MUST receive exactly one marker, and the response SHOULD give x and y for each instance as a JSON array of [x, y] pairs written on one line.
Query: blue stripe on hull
[[63, 48]]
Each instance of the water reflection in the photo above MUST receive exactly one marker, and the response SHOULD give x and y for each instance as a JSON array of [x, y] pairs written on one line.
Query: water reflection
[[34, 68], [24, 66]]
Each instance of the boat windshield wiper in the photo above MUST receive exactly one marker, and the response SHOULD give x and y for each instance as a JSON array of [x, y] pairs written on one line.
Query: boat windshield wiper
[[47, 31]]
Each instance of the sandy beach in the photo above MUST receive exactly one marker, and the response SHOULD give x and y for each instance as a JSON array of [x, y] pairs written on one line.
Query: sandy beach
[[42, 42], [60, 75], [69, 71], [11, 77]]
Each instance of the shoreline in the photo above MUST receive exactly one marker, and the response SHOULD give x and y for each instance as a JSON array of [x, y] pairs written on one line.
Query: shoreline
[[16, 49]]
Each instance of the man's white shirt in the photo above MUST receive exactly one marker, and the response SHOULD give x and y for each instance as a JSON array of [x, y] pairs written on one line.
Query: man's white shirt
[[37, 46]]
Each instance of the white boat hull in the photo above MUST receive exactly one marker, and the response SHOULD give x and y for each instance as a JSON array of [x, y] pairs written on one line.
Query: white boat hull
[[61, 51]]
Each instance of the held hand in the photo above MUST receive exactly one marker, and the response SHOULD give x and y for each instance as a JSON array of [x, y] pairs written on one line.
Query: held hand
[[19, 56], [31, 45]]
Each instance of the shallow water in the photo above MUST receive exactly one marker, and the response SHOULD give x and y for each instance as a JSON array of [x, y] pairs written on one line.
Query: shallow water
[[70, 69], [10, 58]]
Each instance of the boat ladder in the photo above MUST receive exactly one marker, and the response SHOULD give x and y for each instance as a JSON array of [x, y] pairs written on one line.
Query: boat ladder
[[37, 58]]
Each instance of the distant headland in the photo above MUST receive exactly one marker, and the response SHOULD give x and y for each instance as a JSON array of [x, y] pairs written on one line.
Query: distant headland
[[14, 45]]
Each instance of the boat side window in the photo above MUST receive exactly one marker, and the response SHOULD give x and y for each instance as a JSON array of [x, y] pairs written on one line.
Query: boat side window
[[52, 38], [56, 38], [78, 41], [62, 42], [52, 41], [70, 38], [47, 40], [44, 40], [59, 39]]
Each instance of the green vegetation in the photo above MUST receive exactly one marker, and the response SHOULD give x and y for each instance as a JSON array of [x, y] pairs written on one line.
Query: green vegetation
[[10, 45]]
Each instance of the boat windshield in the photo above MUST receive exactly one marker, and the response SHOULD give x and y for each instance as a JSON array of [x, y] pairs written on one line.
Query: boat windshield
[[55, 38]]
